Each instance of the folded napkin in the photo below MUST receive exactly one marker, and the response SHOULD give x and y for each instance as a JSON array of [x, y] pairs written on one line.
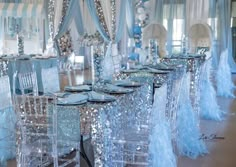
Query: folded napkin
[[162, 65], [73, 99], [152, 70], [130, 71], [138, 67], [60, 94], [116, 89], [101, 97], [78, 88], [127, 83]]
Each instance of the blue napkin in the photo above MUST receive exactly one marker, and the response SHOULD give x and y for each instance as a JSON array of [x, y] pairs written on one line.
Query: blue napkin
[[100, 97], [116, 89], [73, 99]]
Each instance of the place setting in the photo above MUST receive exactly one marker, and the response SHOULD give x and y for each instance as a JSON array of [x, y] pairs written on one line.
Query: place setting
[[72, 99]]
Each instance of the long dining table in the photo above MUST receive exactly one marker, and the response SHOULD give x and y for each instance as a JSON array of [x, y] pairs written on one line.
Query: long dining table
[[98, 118], [103, 120]]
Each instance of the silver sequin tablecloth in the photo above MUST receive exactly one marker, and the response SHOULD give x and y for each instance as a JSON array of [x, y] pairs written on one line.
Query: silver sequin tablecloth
[[103, 121]]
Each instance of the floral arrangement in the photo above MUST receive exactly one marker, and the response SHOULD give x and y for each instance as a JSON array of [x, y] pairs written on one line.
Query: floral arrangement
[[91, 39]]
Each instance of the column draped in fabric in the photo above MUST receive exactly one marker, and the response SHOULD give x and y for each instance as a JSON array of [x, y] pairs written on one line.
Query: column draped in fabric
[[120, 19], [57, 15], [89, 26], [73, 11], [111, 33], [93, 13]]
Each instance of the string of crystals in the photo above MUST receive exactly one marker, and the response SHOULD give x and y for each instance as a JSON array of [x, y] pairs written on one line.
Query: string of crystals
[[51, 14], [113, 19], [101, 16]]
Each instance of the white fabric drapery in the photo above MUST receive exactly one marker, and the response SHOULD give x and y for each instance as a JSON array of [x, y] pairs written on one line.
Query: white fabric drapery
[[89, 26], [1, 34], [57, 14], [196, 11]]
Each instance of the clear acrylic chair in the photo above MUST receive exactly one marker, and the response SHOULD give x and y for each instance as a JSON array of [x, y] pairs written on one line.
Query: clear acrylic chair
[[50, 80], [46, 137], [27, 82], [7, 122]]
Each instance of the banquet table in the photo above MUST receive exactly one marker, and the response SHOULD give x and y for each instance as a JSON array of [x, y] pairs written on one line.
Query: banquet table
[[102, 121]]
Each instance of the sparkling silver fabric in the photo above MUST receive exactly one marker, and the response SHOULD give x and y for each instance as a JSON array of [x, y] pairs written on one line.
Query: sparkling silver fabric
[[43, 134], [106, 121], [194, 65], [111, 120]]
